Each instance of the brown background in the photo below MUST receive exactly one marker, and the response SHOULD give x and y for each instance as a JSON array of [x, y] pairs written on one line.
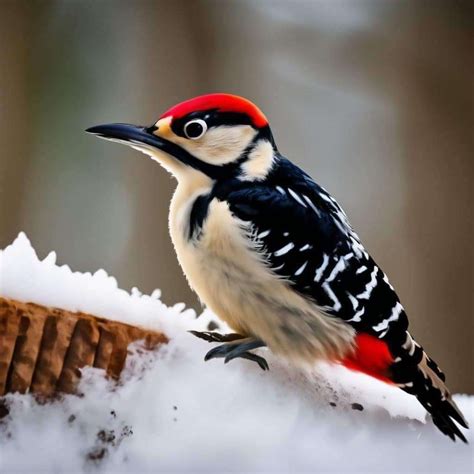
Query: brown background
[[373, 98]]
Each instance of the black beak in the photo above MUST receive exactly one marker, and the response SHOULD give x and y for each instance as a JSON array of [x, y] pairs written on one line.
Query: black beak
[[143, 137], [130, 135]]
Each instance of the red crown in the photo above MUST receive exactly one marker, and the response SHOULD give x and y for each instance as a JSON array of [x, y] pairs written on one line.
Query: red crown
[[221, 102]]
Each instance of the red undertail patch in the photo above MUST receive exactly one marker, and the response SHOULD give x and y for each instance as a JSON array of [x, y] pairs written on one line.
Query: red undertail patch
[[371, 356]]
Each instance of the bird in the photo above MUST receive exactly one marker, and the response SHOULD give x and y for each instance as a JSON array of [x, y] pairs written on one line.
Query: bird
[[273, 254]]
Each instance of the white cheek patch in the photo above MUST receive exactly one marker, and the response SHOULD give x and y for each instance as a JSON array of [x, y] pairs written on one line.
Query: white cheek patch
[[219, 145], [259, 162]]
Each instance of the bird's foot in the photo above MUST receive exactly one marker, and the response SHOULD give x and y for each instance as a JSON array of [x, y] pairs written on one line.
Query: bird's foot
[[235, 346]]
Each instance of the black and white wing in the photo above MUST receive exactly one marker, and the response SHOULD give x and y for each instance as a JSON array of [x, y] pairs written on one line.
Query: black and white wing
[[308, 240]]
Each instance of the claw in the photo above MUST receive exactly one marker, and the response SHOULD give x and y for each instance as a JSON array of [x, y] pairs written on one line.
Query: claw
[[233, 350], [263, 364], [239, 349], [211, 336], [217, 352]]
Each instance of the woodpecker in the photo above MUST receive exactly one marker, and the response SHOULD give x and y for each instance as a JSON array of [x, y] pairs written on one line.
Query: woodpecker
[[273, 254]]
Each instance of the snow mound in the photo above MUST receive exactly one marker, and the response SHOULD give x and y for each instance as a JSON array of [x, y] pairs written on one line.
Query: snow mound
[[173, 412], [24, 277]]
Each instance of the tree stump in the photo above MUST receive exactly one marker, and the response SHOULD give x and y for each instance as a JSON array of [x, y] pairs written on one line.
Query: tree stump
[[43, 349]]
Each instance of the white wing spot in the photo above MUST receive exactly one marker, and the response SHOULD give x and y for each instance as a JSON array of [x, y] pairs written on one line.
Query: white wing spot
[[356, 318], [296, 197], [313, 207], [370, 286], [326, 198], [358, 247], [361, 269], [330, 293], [398, 308], [301, 269], [280, 190], [263, 234], [354, 301], [385, 279], [306, 247], [409, 344], [338, 268], [284, 249], [320, 270]]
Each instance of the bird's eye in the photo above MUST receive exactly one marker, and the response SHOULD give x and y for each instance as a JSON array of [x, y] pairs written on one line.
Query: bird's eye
[[195, 129]]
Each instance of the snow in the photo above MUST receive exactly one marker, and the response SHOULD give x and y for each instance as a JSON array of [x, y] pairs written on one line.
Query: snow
[[173, 412]]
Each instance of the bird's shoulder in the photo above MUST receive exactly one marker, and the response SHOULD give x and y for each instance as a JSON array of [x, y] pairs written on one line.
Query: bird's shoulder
[[290, 201]]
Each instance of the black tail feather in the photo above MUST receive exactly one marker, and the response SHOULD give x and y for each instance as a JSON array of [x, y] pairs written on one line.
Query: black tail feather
[[454, 412], [419, 375], [443, 416]]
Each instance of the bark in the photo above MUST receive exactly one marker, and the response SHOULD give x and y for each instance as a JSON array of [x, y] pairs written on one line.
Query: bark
[[43, 349]]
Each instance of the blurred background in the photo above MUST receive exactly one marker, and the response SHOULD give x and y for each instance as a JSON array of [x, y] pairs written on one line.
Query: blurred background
[[373, 98]]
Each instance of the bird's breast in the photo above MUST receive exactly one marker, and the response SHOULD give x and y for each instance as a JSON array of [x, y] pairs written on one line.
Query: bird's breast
[[218, 261]]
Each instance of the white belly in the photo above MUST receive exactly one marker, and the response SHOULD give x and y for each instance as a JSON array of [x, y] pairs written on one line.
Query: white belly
[[231, 277]]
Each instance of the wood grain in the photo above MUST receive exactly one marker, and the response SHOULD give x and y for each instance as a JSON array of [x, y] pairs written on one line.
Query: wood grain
[[43, 349]]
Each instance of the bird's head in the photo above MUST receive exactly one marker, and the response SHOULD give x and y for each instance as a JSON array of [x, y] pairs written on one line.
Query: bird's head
[[220, 135]]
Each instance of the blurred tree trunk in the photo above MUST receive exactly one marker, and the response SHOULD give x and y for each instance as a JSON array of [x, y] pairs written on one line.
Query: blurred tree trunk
[[15, 114]]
